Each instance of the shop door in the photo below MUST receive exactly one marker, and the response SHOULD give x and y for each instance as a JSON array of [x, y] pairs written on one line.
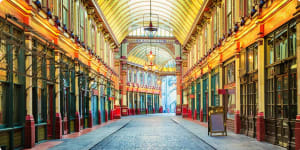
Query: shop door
[[65, 110], [102, 108], [251, 109], [51, 112], [282, 121], [95, 109], [205, 100]]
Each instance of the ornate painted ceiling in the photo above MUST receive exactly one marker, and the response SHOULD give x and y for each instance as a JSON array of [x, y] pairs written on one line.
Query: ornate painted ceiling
[[178, 15]]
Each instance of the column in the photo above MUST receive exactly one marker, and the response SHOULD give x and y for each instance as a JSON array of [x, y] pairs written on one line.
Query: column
[[209, 89], [99, 101], [160, 103], [138, 103], [221, 82], [133, 103], [237, 120], [90, 117], [124, 107], [77, 115], [29, 120], [146, 102], [153, 103], [195, 100], [297, 124], [260, 123], [185, 104], [201, 99], [58, 121]]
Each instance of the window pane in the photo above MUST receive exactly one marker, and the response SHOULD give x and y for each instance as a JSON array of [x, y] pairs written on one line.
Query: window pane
[[2, 104], [292, 40]]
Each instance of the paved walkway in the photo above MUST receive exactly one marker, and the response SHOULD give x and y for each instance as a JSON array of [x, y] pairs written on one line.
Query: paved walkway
[[152, 132], [158, 131], [230, 142], [88, 140]]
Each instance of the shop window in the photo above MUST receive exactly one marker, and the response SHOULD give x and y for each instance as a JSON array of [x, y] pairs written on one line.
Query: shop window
[[292, 39], [230, 73], [231, 106], [3, 60], [252, 58], [281, 44], [93, 46], [3, 105], [214, 87]]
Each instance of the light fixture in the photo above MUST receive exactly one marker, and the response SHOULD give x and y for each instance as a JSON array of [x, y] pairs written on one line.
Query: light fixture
[[150, 28]]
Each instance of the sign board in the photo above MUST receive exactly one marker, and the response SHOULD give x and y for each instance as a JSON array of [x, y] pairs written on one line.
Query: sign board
[[216, 121]]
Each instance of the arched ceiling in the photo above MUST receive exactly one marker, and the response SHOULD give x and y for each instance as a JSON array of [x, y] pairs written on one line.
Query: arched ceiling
[[178, 15], [138, 55]]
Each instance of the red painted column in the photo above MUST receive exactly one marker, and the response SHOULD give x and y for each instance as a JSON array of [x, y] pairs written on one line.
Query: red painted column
[[153, 110], [201, 115], [58, 126], [161, 109], [106, 116], [90, 125], [99, 117], [111, 114], [195, 115], [297, 132], [237, 122], [260, 127], [29, 132], [77, 122], [146, 110]]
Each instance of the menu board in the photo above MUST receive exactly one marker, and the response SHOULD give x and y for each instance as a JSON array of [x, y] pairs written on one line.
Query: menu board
[[216, 121]]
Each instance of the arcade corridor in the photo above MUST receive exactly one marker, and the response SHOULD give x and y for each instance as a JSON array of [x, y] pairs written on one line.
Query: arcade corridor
[[105, 74]]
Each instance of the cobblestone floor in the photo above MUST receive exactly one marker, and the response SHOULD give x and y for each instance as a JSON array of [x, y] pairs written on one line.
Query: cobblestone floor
[[152, 132]]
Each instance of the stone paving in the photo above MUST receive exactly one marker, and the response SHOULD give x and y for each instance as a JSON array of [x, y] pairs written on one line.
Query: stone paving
[[159, 131], [230, 142], [88, 140], [152, 132]]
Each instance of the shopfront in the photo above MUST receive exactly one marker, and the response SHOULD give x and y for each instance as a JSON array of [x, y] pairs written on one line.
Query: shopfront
[[143, 103], [12, 85], [249, 90], [150, 103], [281, 98], [95, 102], [229, 97], [102, 99], [215, 98], [83, 96]]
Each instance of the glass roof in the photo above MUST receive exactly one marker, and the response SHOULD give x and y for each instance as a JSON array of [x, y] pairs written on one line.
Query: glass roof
[[139, 32], [138, 55], [178, 15]]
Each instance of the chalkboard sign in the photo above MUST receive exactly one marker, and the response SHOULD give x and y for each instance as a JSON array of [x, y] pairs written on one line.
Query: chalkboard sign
[[216, 121]]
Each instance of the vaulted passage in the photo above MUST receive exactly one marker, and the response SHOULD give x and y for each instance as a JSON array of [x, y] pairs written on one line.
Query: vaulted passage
[[149, 74]]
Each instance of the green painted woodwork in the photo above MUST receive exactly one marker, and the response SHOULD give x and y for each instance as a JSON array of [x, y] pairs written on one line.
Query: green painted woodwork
[[198, 98], [205, 97]]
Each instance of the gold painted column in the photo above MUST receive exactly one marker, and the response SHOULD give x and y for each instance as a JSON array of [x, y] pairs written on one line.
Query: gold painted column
[[221, 82], [90, 116], [237, 120], [58, 121], [209, 88], [29, 120], [260, 123], [201, 99], [124, 107], [77, 115]]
